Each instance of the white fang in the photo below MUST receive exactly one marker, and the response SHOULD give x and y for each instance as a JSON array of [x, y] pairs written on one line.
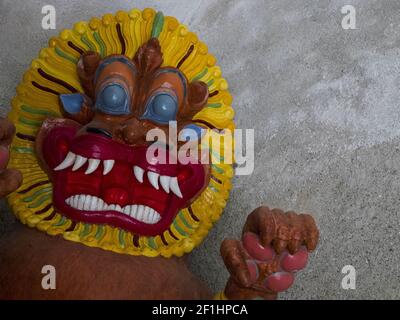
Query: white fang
[[175, 187], [68, 161], [108, 165], [92, 166]]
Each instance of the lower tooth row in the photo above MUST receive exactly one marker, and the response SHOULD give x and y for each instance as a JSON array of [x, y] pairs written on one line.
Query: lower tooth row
[[91, 203]]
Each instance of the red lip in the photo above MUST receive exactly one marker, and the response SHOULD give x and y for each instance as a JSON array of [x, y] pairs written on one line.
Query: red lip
[[120, 186]]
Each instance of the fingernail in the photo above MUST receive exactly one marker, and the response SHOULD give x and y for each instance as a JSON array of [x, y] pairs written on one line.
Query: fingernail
[[296, 261], [279, 282], [252, 244]]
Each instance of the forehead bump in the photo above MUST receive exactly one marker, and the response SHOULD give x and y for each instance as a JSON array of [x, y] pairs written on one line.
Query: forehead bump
[[110, 60]]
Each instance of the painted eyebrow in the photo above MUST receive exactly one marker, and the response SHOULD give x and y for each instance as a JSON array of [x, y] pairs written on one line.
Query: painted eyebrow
[[110, 60], [181, 76]]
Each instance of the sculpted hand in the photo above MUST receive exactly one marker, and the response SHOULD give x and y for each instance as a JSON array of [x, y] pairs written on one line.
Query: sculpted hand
[[274, 246], [10, 179]]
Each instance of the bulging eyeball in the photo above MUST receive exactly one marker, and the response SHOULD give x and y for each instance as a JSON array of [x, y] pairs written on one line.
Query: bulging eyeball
[[161, 108], [164, 106], [113, 96], [113, 99]]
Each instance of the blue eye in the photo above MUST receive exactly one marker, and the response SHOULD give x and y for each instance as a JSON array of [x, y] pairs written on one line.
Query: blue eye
[[161, 108], [113, 99], [164, 106]]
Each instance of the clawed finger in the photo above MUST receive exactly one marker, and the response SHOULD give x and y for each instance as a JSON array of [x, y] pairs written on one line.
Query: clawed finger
[[4, 156], [296, 238], [235, 260], [10, 180], [284, 231], [7, 131], [262, 223], [311, 233]]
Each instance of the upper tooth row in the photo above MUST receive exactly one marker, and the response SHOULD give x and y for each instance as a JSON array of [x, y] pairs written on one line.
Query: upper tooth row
[[167, 183], [78, 161]]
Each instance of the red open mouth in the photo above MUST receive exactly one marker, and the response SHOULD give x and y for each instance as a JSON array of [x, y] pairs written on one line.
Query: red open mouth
[[98, 180]]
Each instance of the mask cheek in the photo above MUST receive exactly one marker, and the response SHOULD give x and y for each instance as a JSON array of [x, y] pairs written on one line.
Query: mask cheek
[[53, 142]]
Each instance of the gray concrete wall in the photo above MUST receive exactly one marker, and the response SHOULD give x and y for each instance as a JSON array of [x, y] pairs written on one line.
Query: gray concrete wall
[[324, 103]]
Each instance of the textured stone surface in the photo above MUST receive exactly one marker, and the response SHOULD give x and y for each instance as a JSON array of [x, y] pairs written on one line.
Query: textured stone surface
[[324, 105]]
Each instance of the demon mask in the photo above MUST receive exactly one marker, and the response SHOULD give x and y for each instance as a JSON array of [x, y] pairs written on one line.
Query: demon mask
[[99, 162], [83, 114]]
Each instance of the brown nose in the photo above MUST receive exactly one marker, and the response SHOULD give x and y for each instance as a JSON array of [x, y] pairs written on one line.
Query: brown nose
[[133, 131]]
